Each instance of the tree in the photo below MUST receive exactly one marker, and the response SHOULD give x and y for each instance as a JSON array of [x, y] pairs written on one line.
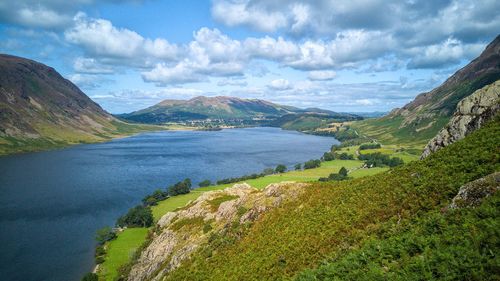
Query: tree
[[280, 168], [90, 277], [312, 164], [138, 216], [298, 167], [268, 171], [155, 197], [104, 234], [328, 156], [343, 172], [205, 183], [182, 187]]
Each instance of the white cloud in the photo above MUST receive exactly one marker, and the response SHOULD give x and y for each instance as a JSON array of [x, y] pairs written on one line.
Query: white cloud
[[164, 75], [99, 37], [91, 66], [449, 52], [39, 16], [280, 85], [319, 75]]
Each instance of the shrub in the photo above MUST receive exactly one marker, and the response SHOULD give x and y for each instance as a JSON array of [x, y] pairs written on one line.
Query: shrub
[[155, 197], [90, 277], [280, 169], [182, 187], [373, 145], [205, 183], [312, 164], [104, 235], [138, 216], [298, 167]]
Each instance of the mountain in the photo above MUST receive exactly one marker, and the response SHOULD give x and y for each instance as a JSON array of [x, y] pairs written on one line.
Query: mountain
[[40, 109], [221, 107], [422, 118]]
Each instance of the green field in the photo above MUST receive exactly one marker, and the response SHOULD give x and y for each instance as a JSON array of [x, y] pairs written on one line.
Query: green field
[[120, 251], [309, 175]]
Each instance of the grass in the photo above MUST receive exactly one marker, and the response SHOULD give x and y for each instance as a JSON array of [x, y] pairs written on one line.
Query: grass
[[309, 175], [120, 250], [354, 221], [215, 203]]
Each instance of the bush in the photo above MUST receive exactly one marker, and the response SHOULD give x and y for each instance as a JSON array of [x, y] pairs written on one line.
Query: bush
[[280, 168], [345, 156], [182, 187], [369, 146], [340, 176], [90, 277], [153, 199], [380, 160], [104, 235], [268, 171], [99, 260], [205, 183], [99, 251], [328, 156], [138, 216], [298, 167], [312, 164]]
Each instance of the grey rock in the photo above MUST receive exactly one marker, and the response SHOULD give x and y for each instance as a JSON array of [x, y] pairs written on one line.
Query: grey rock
[[471, 113], [473, 193]]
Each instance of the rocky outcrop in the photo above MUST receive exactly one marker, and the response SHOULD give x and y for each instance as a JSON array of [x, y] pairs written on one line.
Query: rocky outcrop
[[470, 114], [473, 193], [178, 234]]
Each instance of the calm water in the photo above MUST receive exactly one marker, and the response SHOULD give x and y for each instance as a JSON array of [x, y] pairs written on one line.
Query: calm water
[[51, 203]]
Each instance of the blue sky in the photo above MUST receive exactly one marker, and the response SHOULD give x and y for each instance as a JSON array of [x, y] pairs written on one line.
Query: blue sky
[[347, 56]]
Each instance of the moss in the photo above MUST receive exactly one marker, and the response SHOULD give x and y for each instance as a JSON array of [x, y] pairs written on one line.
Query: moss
[[190, 222], [215, 203]]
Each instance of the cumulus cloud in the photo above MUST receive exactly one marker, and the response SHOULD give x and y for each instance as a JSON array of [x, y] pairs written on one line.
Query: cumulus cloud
[[91, 66], [280, 85], [99, 37]]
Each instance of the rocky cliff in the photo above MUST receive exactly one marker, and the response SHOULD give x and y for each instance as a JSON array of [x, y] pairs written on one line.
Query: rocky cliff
[[470, 114], [178, 234]]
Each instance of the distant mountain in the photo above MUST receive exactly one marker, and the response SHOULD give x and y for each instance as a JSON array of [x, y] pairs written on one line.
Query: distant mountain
[[39, 109], [422, 118], [225, 108]]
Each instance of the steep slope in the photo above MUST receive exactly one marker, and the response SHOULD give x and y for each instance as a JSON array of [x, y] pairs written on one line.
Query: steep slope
[[393, 225], [471, 113], [421, 119], [226, 108], [40, 109]]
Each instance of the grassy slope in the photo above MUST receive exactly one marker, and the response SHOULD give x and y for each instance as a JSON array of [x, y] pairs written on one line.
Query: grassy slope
[[333, 219], [121, 250], [58, 137], [387, 130], [179, 201], [309, 175]]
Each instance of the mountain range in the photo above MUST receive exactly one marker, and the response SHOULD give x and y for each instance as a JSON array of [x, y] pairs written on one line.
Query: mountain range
[[220, 108]]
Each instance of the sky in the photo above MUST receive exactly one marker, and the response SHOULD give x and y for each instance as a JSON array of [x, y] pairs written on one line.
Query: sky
[[346, 56]]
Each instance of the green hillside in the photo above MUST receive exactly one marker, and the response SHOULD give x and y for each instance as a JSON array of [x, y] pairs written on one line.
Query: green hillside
[[393, 225]]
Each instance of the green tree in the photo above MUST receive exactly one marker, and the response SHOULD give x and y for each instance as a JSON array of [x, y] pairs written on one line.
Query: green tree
[[90, 277], [298, 167], [280, 168], [312, 164], [182, 187], [104, 234], [205, 183], [268, 171], [138, 216], [343, 172]]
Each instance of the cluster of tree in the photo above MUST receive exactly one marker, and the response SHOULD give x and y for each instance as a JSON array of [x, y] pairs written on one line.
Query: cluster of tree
[[340, 176], [315, 163], [380, 160], [138, 216], [90, 276], [280, 169], [153, 199], [205, 183], [182, 187], [329, 156], [372, 145]]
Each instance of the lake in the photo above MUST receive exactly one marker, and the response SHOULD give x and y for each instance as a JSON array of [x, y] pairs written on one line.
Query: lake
[[51, 203]]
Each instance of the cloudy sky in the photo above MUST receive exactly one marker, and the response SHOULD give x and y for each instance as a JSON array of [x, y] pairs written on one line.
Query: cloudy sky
[[348, 55]]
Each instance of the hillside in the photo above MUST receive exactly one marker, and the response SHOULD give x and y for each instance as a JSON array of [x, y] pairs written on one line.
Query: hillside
[[228, 109], [40, 110], [396, 225], [421, 119]]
